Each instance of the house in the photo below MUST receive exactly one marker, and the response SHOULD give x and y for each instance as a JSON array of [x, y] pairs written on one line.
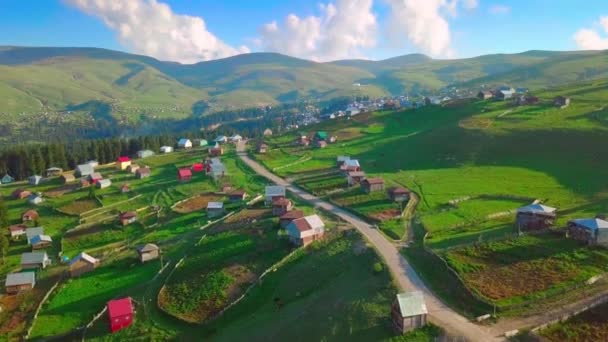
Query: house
[[125, 188], [502, 95], [273, 191], [215, 209], [84, 170], [200, 142], [262, 148], [18, 282], [184, 175], [221, 139], [29, 216], [215, 168], [535, 217], [81, 264], [132, 168], [120, 313], [197, 167], [267, 132], [281, 205], [561, 101], [143, 172], [95, 177], [340, 160], [41, 241], [166, 149], [33, 260], [104, 183], [6, 179], [351, 165], [93, 163], [17, 230], [355, 177], [238, 195], [321, 135], [184, 143], [123, 162], [527, 100], [35, 199], [226, 188], [592, 231], [53, 171], [84, 183], [216, 151], [236, 138], [372, 185], [127, 218], [321, 143], [144, 154], [148, 252], [34, 180], [30, 233], [303, 140], [289, 216], [409, 312], [399, 194], [21, 194], [485, 95], [67, 178], [305, 230]]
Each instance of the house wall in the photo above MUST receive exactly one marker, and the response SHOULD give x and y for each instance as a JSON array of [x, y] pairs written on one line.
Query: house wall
[[215, 212], [120, 322], [80, 267], [148, 256], [18, 288], [581, 234], [528, 221], [41, 245], [602, 237], [32, 266]]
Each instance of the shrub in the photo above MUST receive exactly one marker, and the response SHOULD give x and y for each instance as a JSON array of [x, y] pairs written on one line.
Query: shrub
[[378, 267]]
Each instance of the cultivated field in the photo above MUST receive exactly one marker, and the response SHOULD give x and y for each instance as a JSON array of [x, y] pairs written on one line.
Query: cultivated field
[[591, 325]]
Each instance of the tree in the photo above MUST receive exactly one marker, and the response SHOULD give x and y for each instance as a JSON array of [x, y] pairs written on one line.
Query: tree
[[3, 224], [4, 245]]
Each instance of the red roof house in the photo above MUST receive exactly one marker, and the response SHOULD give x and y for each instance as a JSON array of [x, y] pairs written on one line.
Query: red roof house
[[123, 163], [184, 175], [21, 194], [120, 313], [29, 216], [197, 167]]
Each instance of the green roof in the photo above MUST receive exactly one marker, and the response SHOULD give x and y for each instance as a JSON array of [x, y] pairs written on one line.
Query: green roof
[[322, 135], [411, 304]]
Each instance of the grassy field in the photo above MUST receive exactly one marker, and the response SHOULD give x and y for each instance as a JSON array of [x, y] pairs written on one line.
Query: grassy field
[[591, 325]]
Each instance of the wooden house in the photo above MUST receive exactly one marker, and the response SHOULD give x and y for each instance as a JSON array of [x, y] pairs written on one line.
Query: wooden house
[[184, 143], [305, 230], [81, 264], [143, 172], [166, 149], [372, 185], [409, 312], [289, 216], [35, 199], [262, 148], [95, 177], [321, 143], [53, 171], [19, 282], [31, 232], [237, 195], [216, 151], [184, 175], [84, 170], [125, 188], [144, 154], [34, 180], [281, 205], [535, 217], [34, 260], [267, 132], [133, 168], [104, 183], [148, 252], [21, 194], [303, 141], [120, 313], [41, 242], [561, 101], [30, 216], [127, 218], [84, 183], [272, 191], [592, 231], [485, 95], [123, 162], [17, 230], [67, 178], [355, 177], [215, 209], [399, 194], [350, 165]]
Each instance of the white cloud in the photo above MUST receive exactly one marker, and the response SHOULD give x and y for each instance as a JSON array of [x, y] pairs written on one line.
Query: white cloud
[[470, 4], [499, 9], [150, 27], [341, 30], [593, 39]]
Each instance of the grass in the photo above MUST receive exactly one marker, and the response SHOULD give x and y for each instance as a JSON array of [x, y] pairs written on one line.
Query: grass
[[395, 228], [591, 325]]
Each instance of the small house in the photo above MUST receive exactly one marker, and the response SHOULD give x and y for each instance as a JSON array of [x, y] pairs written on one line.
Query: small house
[[340, 160], [123, 162], [84, 183], [333, 139], [409, 312], [132, 168], [273, 191], [355, 177], [215, 209], [238, 195], [198, 167], [34, 180], [120, 313], [125, 188], [104, 183], [399, 194], [18, 282], [236, 138], [148, 252], [127, 218], [7, 179], [95, 177], [143, 172], [184, 175], [67, 178], [535, 217], [34, 260], [200, 142], [351, 165], [221, 139], [281, 205], [184, 143], [561, 101], [305, 230], [303, 140], [504, 94], [21, 194], [41, 242], [16, 230], [93, 163], [30, 216], [372, 185], [262, 148], [81, 264], [289, 216], [166, 149], [592, 231], [321, 143], [144, 154], [485, 95], [527, 100], [267, 132], [226, 187], [216, 151], [53, 171], [84, 170], [31, 232], [321, 135], [35, 199]]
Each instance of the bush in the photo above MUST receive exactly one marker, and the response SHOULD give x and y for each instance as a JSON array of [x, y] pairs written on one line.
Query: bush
[[378, 267]]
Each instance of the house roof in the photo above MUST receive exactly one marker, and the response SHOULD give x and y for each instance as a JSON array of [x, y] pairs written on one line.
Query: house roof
[[399, 190], [120, 307], [411, 304], [96, 175], [300, 224], [128, 215], [322, 134], [14, 279], [149, 247], [292, 215], [123, 159], [85, 168], [375, 181], [275, 190], [215, 205], [356, 174], [40, 238], [536, 209], [184, 173], [281, 202], [21, 191], [314, 221], [17, 227], [30, 212], [184, 141], [104, 182], [591, 223], [84, 257], [352, 163], [33, 257], [31, 232]]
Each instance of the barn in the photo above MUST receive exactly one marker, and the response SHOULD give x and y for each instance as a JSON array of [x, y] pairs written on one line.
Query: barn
[[184, 175]]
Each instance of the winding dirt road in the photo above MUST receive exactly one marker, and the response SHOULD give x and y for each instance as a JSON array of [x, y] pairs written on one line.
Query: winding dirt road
[[402, 271]]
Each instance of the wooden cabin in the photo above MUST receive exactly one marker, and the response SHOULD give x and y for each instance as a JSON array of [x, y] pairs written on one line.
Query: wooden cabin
[[409, 312], [148, 252], [372, 185], [591, 231], [82, 263], [535, 217]]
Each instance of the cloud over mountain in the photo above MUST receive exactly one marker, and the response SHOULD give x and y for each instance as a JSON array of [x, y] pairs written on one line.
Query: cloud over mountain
[[593, 39]]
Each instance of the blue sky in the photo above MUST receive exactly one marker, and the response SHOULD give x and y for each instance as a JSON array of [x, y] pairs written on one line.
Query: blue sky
[[474, 27]]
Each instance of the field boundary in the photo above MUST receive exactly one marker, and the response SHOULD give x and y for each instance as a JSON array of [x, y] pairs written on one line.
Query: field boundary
[[44, 299], [299, 161]]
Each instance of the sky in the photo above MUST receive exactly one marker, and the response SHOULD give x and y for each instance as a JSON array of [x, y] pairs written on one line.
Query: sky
[[189, 31]]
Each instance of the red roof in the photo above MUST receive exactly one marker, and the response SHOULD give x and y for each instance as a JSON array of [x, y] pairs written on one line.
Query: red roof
[[17, 227], [280, 201], [123, 159], [128, 215], [197, 167], [120, 307], [292, 215], [183, 173], [301, 224], [399, 191], [375, 181]]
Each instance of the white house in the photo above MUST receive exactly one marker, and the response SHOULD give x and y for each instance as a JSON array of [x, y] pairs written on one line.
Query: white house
[[144, 154], [221, 139], [166, 149], [84, 170], [236, 138], [34, 180], [104, 183], [35, 199], [274, 191], [93, 163], [184, 143]]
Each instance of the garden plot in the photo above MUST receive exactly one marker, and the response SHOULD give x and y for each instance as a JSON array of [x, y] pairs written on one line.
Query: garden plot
[[79, 206], [62, 190], [591, 325], [323, 183], [375, 205], [196, 203]]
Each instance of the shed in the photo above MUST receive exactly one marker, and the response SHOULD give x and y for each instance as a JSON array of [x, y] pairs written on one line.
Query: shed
[[127, 218], [34, 180], [399, 194], [503, 94], [41, 241], [31, 232], [350, 165], [561, 101], [198, 167], [184, 143], [34, 260], [123, 162], [84, 170], [237, 195], [372, 185], [95, 177], [67, 178], [104, 183], [145, 154], [221, 139], [592, 231], [184, 175], [535, 217], [30, 216], [18, 282], [82, 263], [16, 230], [200, 142], [409, 311], [53, 171], [125, 188], [485, 95], [236, 138], [321, 143], [143, 172], [355, 177], [273, 191], [289, 216], [321, 135], [216, 151], [281, 205], [215, 209], [305, 230], [148, 252], [84, 183], [166, 149], [120, 313]]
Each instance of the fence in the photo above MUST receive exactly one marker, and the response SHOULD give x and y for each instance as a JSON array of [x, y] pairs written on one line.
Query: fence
[[44, 299]]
